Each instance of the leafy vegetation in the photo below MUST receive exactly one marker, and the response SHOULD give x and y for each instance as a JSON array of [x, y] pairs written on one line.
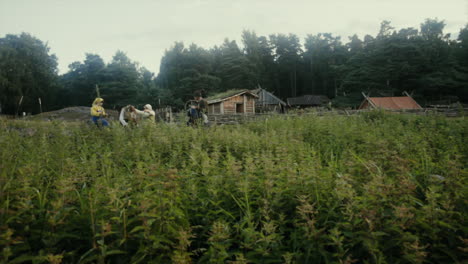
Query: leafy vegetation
[[374, 188]]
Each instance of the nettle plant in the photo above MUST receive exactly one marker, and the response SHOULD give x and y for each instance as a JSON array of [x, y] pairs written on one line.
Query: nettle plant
[[373, 188]]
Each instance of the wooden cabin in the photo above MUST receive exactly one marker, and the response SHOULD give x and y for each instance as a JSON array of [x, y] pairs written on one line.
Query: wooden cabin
[[390, 103], [232, 102], [268, 102]]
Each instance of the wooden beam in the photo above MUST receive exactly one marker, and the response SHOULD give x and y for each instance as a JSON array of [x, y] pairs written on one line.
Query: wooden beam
[[245, 104], [368, 100]]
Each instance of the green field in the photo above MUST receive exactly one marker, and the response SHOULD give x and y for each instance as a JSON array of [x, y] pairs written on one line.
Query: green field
[[373, 188]]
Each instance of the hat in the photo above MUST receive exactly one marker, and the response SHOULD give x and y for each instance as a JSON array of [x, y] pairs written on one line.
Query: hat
[[148, 106], [98, 100]]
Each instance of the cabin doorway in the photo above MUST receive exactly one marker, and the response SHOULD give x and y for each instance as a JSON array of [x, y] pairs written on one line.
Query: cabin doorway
[[239, 108]]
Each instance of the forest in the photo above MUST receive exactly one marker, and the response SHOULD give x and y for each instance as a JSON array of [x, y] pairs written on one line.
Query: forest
[[426, 62]]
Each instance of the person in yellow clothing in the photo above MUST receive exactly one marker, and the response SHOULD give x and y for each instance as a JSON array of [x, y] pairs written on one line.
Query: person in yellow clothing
[[98, 112]]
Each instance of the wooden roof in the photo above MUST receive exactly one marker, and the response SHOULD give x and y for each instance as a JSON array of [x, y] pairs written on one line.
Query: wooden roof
[[267, 98], [227, 95], [391, 103]]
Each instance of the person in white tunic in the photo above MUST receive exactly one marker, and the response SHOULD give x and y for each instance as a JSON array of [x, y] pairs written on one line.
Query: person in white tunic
[[147, 113]]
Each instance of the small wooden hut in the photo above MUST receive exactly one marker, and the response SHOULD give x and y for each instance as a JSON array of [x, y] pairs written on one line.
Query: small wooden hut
[[232, 102]]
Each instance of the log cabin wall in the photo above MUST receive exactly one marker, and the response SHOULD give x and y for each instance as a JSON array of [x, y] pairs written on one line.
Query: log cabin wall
[[214, 108], [241, 104]]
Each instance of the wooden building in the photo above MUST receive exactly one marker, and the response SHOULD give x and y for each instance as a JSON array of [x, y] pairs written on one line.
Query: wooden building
[[232, 102], [390, 103], [268, 102]]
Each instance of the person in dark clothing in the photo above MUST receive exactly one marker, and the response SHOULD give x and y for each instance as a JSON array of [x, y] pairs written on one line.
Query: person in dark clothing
[[202, 105]]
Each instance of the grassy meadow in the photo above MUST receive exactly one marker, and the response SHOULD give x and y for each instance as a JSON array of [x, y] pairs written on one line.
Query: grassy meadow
[[373, 188]]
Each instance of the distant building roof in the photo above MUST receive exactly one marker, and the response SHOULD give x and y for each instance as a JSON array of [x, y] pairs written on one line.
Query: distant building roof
[[267, 98], [308, 100], [390, 103], [226, 95]]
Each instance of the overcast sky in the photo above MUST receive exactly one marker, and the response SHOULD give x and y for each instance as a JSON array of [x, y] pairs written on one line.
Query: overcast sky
[[144, 29]]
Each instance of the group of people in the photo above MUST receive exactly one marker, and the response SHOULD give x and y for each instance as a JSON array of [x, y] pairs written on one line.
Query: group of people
[[196, 113], [98, 114]]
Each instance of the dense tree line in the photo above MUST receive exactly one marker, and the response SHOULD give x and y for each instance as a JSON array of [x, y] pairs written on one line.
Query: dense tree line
[[425, 61], [120, 82], [27, 72]]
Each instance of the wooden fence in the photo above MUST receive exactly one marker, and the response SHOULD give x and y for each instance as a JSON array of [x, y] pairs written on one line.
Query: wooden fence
[[241, 118], [164, 114]]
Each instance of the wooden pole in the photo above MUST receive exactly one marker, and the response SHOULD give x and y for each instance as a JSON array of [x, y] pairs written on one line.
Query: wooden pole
[[19, 105], [40, 105]]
